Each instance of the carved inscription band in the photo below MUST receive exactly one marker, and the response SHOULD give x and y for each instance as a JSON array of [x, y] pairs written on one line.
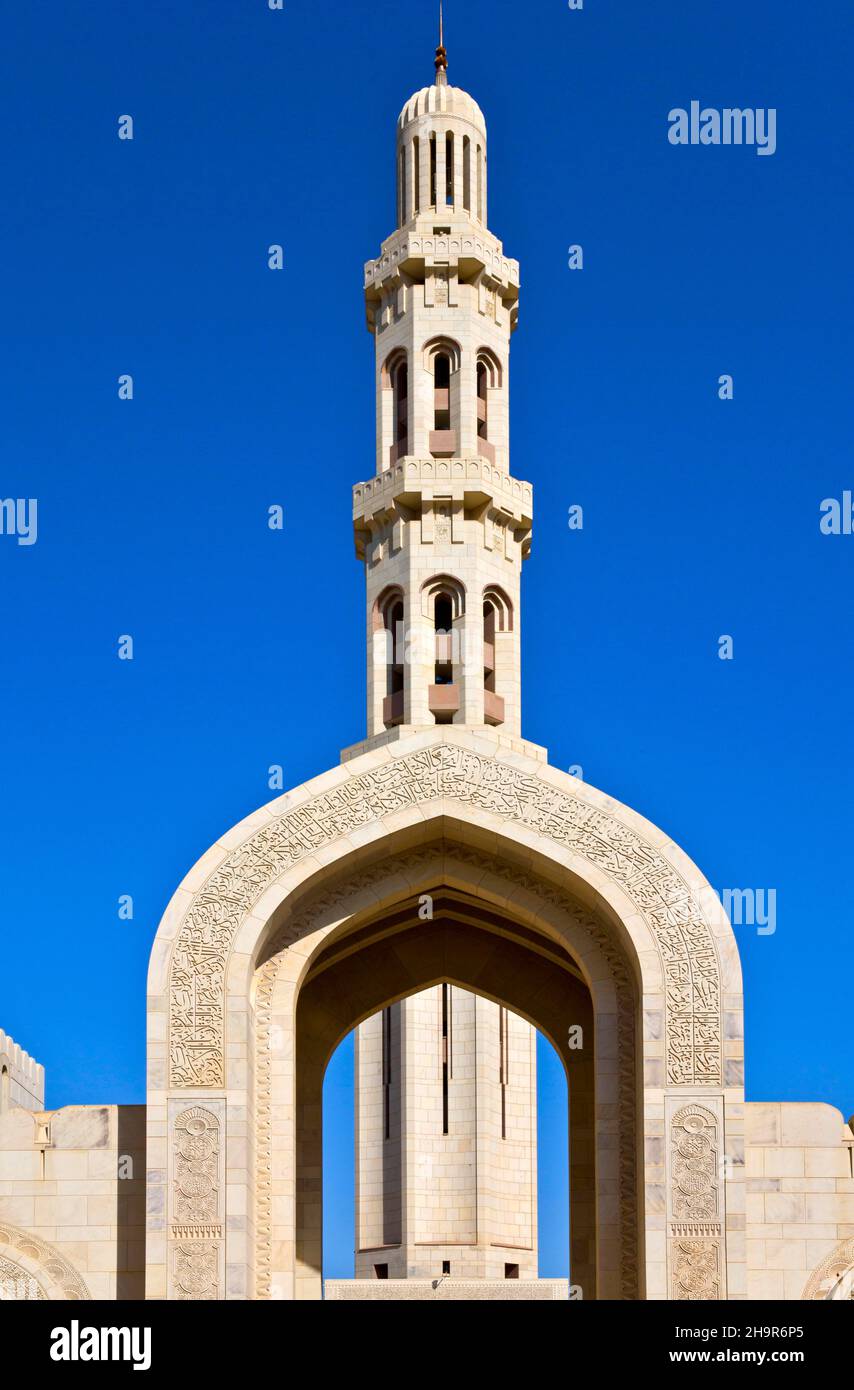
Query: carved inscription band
[[684, 940]]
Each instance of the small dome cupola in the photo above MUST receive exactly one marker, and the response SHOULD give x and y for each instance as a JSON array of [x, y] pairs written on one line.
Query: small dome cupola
[[441, 152]]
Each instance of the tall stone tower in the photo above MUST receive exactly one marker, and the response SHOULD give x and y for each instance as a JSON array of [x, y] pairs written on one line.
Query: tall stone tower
[[445, 1080], [443, 527]]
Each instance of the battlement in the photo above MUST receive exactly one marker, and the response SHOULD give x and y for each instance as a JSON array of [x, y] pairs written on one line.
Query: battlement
[[21, 1077]]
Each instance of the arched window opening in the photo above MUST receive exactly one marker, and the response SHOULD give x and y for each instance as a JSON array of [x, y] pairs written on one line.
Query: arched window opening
[[401, 196], [479, 183], [4, 1090], [394, 627], [482, 411], [442, 391], [390, 617], [497, 618], [488, 379], [416, 173], [467, 173], [395, 378], [444, 622], [443, 709], [449, 169], [432, 171], [401, 409], [489, 646]]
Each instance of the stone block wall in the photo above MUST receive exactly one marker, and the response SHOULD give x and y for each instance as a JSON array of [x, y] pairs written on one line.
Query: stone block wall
[[73, 1180], [800, 1197]]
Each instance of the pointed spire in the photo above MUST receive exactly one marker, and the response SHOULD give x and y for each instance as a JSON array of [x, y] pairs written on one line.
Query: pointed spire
[[441, 53]]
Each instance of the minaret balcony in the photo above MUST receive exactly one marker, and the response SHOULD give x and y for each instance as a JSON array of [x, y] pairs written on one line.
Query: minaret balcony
[[472, 481], [443, 443], [443, 700], [493, 708], [470, 248], [393, 709]]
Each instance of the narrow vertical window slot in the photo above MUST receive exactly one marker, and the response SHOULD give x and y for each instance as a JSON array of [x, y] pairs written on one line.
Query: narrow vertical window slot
[[386, 1065], [449, 169], [416, 173], [444, 1059], [467, 173], [432, 171], [502, 1066]]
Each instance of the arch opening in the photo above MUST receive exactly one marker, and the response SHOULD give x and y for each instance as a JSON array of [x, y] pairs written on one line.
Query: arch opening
[[402, 1149], [477, 942]]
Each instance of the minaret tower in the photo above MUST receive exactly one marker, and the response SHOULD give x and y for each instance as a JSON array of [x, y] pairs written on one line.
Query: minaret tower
[[445, 1080], [443, 527]]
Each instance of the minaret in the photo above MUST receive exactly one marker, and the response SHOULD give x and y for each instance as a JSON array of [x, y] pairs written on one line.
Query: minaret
[[443, 527], [445, 1080]]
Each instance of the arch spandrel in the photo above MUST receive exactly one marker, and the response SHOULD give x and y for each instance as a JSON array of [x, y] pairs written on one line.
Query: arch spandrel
[[623, 860]]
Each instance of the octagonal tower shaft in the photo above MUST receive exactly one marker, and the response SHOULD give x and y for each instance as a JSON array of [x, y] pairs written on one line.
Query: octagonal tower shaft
[[443, 527]]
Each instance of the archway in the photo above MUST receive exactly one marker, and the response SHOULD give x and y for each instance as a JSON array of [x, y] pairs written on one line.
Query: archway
[[523, 859], [475, 949], [445, 1153]]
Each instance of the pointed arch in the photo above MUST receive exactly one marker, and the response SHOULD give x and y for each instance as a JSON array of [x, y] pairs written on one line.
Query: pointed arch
[[502, 606], [443, 586], [493, 370], [394, 376], [442, 346]]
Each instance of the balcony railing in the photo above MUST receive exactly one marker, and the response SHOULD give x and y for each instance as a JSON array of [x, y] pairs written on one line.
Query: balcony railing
[[393, 709], [443, 699], [493, 708], [443, 443]]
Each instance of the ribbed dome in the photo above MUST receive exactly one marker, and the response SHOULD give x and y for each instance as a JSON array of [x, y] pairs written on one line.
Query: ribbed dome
[[441, 99]]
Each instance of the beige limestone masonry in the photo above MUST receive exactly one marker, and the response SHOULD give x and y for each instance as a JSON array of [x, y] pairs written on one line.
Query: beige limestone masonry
[[446, 1290], [21, 1077], [799, 1201], [72, 1202]]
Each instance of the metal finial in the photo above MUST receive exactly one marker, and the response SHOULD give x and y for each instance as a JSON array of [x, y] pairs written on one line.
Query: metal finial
[[441, 52]]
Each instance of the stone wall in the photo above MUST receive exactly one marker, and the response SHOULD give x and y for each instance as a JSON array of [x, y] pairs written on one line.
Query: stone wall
[[800, 1197], [72, 1202]]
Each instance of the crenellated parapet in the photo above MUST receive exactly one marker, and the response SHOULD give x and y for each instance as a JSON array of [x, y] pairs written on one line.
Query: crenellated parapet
[[21, 1077]]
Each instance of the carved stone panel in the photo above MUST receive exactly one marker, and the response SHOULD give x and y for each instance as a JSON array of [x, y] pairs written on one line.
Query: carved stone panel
[[683, 937], [17, 1284], [696, 1221], [197, 1199]]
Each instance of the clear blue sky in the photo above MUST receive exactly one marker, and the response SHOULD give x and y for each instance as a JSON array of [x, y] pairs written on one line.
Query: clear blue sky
[[254, 387]]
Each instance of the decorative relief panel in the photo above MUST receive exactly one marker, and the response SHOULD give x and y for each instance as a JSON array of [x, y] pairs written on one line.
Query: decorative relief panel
[[196, 1216], [833, 1280], [17, 1282], [697, 1270], [693, 1023], [442, 521], [695, 1223]]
